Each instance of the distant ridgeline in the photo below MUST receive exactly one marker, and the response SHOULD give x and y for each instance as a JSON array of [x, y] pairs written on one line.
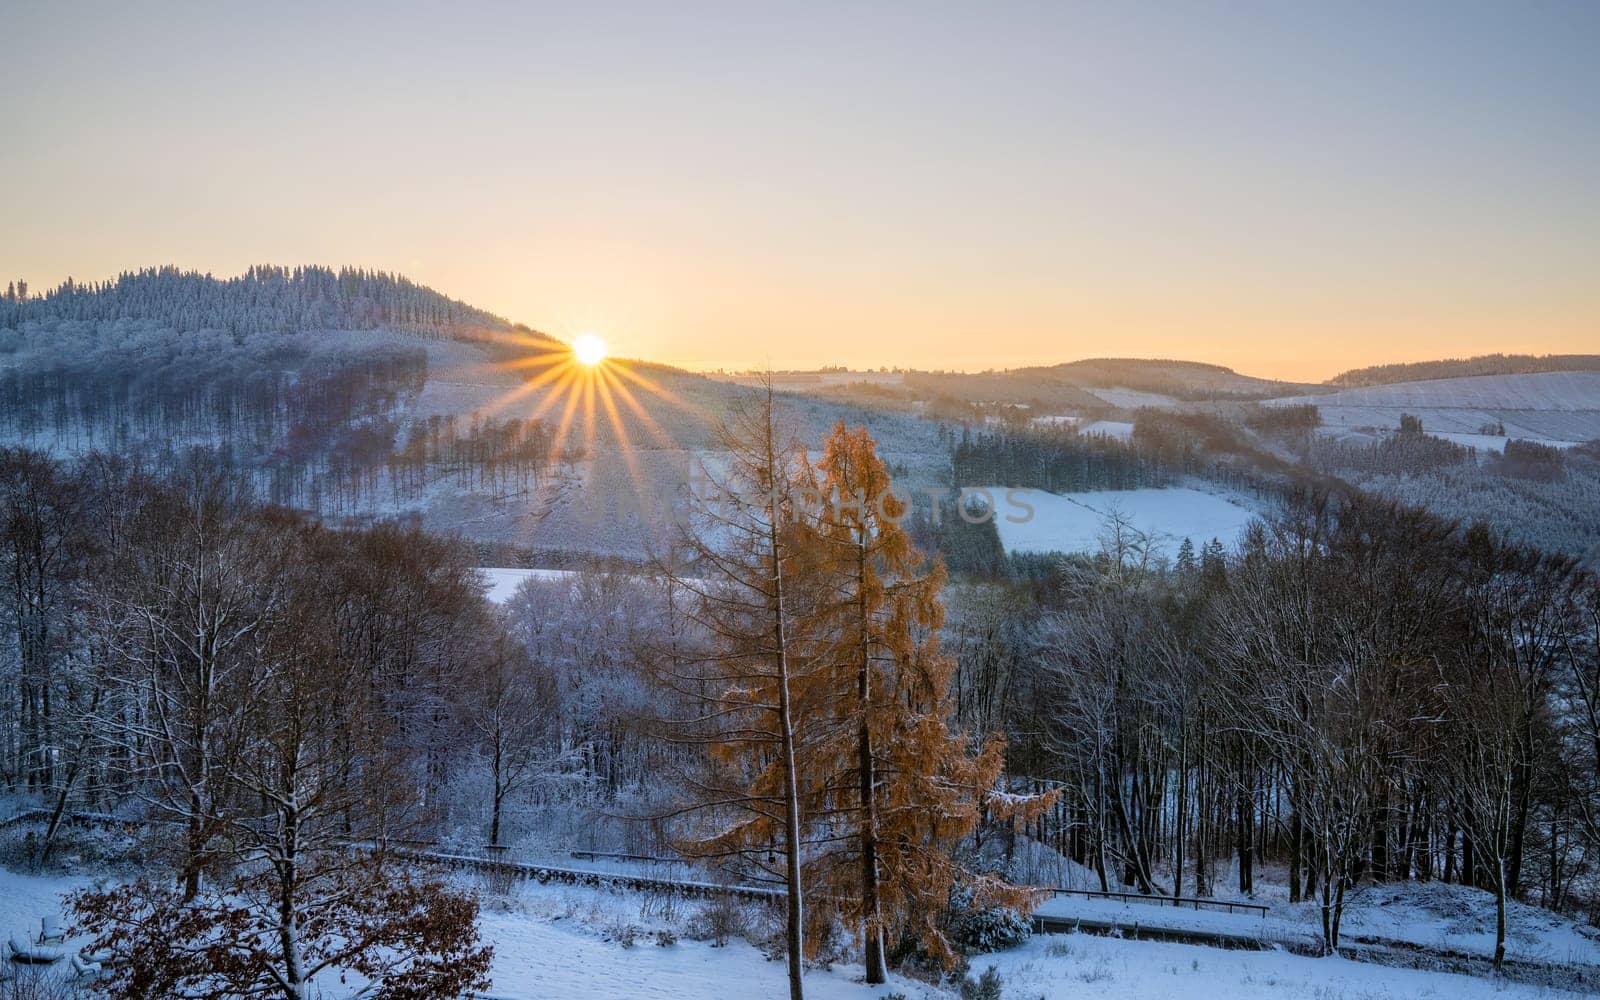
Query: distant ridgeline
[[1487, 364], [265, 299], [1069, 387], [162, 363]]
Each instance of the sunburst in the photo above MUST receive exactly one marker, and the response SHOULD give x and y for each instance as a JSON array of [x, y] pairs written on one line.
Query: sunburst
[[583, 387], [589, 349]]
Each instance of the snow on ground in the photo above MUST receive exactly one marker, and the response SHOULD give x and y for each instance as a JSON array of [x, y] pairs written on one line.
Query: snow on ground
[[1076, 522], [1460, 918], [568, 943], [1073, 966], [1548, 406], [503, 581], [1432, 915], [26, 899], [1496, 443], [1054, 420], [572, 943], [1119, 429], [1132, 399], [556, 941]]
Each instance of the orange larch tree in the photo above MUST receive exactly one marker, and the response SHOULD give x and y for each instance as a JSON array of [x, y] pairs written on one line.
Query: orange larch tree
[[891, 785]]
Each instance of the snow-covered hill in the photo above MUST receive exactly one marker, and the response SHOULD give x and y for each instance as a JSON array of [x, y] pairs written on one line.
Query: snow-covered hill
[[1552, 406]]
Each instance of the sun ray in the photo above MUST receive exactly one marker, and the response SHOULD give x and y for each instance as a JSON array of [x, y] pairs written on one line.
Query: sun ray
[[650, 386], [641, 492], [610, 380], [500, 403], [588, 413], [580, 384], [568, 379], [566, 422]]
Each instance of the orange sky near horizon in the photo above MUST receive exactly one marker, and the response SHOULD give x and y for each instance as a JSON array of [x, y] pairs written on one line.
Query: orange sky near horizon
[[1288, 190]]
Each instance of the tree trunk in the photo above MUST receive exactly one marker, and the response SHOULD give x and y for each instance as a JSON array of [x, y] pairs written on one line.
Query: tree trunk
[[792, 846], [795, 932], [872, 919], [1245, 807], [877, 971], [1183, 801], [1296, 841], [1500, 916]]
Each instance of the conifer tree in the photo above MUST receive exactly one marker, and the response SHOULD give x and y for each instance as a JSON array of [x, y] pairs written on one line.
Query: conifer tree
[[745, 687], [888, 768]]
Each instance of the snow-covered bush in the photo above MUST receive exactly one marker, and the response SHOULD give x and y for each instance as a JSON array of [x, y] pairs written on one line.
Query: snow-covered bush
[[623, 932], [977, 930], [34, 983], [717, 921], [985, 987], [995, 929]]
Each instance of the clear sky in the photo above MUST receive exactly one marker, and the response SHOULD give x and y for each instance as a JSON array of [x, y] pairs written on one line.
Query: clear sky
[[1289, 188]]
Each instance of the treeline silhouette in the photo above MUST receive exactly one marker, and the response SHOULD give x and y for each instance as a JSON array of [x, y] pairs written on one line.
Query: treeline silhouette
[[1486, 364], [264, 299]]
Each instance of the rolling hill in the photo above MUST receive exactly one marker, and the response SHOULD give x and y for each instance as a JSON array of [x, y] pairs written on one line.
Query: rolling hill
[[1558, 406]]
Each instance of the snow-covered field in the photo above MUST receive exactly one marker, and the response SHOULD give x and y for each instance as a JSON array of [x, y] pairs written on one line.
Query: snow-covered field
[[1132, 399], [1551, 406], [1495, 443], [503, 581], [1122, 430], [1077, 522]]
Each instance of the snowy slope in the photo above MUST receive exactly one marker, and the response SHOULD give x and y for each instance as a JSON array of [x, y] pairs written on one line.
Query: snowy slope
[[1556, 406], [1075, 966], [1132, 399], [1433, 915], [1076, 522]]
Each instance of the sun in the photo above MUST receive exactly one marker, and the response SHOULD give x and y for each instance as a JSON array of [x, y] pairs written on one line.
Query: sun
[[589, 349]]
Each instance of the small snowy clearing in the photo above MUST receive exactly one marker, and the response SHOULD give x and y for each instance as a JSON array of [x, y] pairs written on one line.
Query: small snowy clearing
[[1132, 399], [1077, 522], [1496, 443], [1121, 430], [1054, 420], [503, 581]]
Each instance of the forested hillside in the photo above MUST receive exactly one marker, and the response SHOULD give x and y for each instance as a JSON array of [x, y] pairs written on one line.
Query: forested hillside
[[1486, 364], [361, 395], [265, 299]]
